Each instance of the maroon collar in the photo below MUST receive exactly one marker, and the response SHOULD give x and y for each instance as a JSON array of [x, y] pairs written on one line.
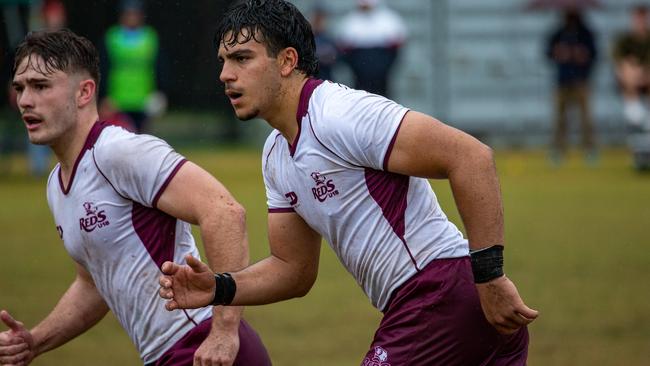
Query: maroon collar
[[93, 135], [303, 106]]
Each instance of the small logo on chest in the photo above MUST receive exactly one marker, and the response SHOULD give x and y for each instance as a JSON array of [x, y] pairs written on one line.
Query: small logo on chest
[[324, 188], [293, 198], [94, 218]]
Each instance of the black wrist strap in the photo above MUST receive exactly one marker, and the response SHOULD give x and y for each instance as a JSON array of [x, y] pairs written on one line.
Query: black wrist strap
[[225, 289], [487, 263]]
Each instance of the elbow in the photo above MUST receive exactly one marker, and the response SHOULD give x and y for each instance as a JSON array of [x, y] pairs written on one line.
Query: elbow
[[484, 156], [237, 212], [302, 290], [230, 214], [479, 159], [304, 283]]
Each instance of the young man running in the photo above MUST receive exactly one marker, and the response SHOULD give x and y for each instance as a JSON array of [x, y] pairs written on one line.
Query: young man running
[[352, 167], [123, 204]]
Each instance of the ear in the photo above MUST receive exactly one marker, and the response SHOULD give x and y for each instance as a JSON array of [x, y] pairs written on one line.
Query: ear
[[288, 59], [86, 92]]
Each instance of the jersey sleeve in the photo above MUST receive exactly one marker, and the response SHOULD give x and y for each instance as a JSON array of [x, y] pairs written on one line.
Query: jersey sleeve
[[139, 167], [359, 127], [276, 199]]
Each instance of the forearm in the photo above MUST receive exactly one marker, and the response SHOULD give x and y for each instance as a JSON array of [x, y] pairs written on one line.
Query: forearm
[[223, 231], [271, 280], [477, 193], [79, 309], [226, 248]]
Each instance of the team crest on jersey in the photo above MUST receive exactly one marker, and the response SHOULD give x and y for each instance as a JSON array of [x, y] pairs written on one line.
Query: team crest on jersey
[[94, 218], [380, 358], [324, 189]]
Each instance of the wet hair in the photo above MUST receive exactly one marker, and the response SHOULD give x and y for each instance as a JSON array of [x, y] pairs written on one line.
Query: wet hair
[[60, 50], [279, 24]]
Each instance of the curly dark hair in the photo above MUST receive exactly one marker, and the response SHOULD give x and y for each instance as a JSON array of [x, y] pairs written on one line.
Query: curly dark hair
[[61, 50], [278, 22]]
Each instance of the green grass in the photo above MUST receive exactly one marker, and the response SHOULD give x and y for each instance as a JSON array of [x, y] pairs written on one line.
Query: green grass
[[578, 239]]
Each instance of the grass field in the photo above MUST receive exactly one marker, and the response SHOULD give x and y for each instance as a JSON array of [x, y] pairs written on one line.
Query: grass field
[[578, 247]]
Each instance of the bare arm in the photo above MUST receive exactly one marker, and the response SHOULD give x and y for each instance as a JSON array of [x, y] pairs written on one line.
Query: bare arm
[[78, 310], [425, 147], [291, 269], [194, 196], [289, 272]]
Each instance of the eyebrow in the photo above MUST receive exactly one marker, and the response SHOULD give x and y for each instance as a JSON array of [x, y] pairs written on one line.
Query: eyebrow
[[30, 81], [237, 53]]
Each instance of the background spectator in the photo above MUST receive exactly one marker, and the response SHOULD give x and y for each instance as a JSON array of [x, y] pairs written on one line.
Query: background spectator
[[370, 38], [326, 49], [572, 50], [632, 63], [131, 56], [15, 16]]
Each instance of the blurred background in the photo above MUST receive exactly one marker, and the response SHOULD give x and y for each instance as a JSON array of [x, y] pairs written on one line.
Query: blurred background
[[544, 82], [480, 66]]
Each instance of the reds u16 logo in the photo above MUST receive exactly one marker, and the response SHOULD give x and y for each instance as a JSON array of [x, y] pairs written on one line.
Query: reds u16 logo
[[94, 218], [324, 189]]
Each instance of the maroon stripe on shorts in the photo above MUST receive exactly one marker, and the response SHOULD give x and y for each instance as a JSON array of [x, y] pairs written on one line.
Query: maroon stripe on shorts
[[251, 348], [435, 318]]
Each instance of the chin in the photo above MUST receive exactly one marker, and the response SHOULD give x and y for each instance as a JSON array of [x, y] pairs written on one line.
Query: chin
[[39, 138], [242, 116], [37, 141]]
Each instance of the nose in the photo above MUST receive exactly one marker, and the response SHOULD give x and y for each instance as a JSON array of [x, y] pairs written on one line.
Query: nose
[[24, 99], [226, 74]]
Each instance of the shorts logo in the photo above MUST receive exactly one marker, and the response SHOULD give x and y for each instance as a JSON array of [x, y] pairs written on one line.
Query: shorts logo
[[380, 358], [94, 218], [324, 189], [59, 230]]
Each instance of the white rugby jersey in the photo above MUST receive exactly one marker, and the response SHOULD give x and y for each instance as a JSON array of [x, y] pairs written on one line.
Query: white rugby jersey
[[109, 224], [384, 227]]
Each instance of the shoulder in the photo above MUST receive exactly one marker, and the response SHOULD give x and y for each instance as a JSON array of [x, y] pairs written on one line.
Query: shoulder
[[150, 31], [117, 146], [329, 104], [390, 15], [332, 100], [112, 32], [336, 105], [345, 116]]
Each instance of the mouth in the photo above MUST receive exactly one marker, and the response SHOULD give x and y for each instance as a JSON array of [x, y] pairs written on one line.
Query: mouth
[[234, 96], [32, 121]]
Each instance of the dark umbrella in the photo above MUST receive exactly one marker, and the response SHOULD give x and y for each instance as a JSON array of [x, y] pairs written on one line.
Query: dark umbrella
[[562, 4]]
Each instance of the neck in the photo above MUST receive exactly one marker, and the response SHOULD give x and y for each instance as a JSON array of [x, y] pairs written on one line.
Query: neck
[[284, 119], [68, 147]]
